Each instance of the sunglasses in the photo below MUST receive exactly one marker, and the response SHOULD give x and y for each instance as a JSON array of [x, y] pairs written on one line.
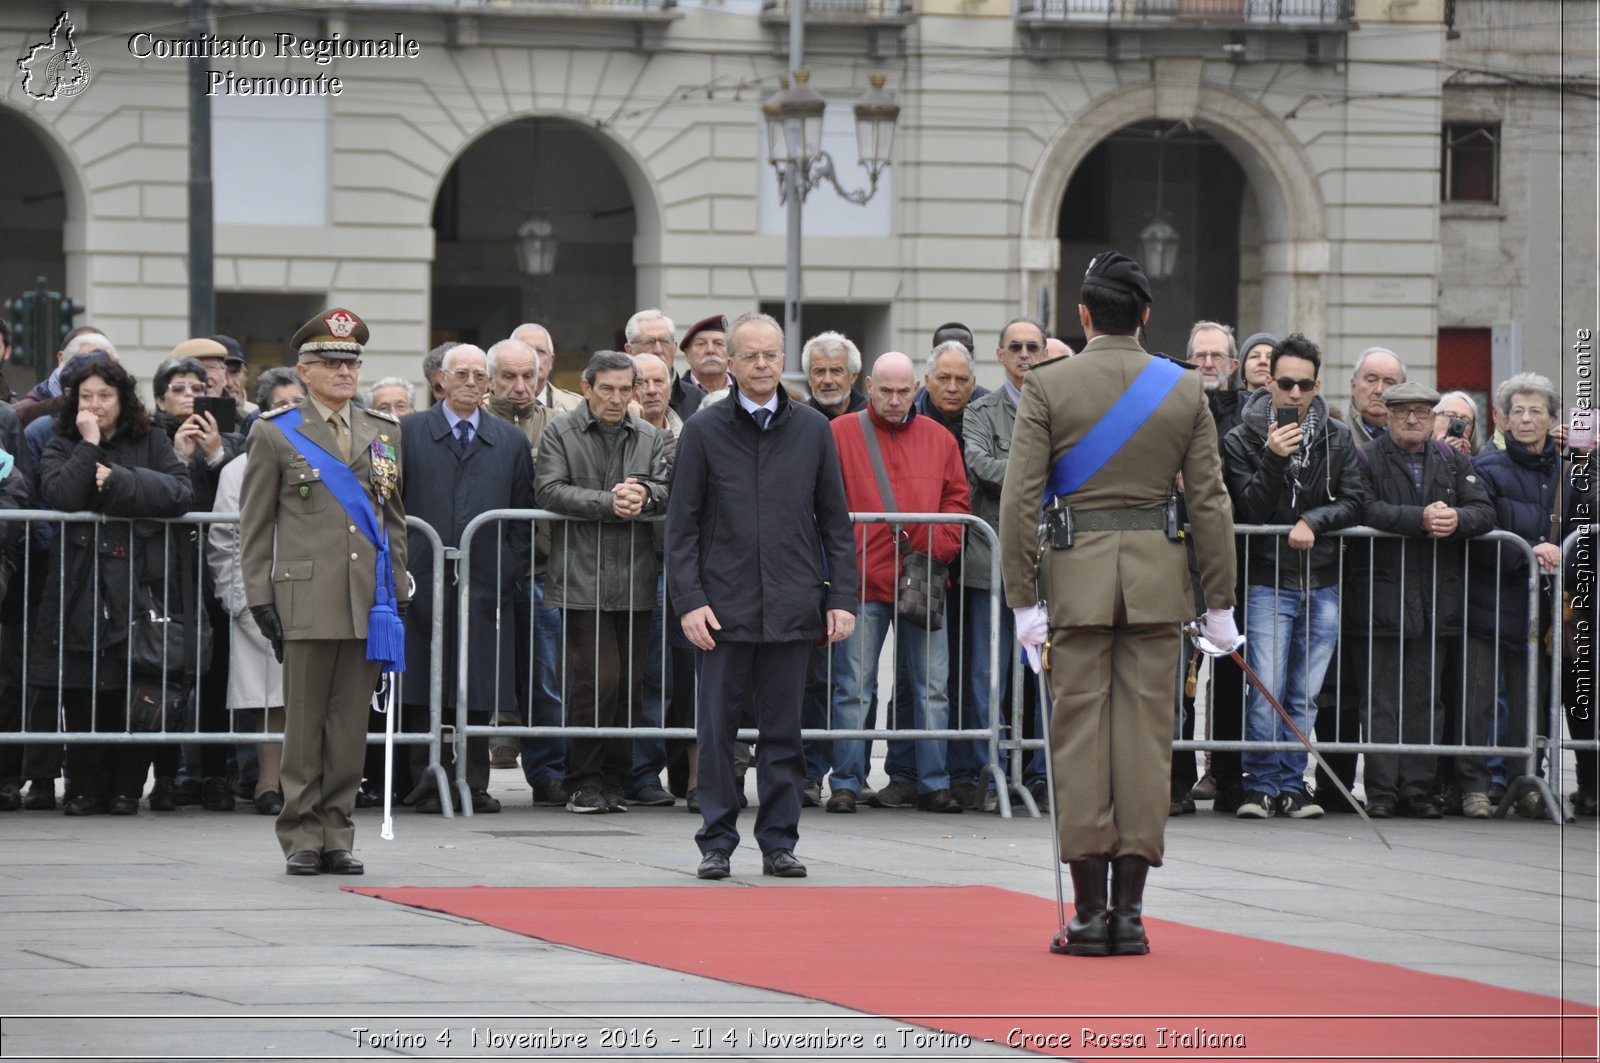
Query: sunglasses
[[1286, 385], [1017, 347]]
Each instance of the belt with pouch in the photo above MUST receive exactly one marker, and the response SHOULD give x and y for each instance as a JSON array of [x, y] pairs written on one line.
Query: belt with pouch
[[1094, 520]]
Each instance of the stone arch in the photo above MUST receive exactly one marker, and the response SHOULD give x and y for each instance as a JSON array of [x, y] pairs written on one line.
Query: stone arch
[[648, 210], [1294, 255], [75, 196]]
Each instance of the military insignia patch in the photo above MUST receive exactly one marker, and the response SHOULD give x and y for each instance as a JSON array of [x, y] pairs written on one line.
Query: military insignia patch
[[340, 324]]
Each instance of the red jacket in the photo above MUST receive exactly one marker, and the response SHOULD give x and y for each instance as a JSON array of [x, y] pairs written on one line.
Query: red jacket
[[925, 470]]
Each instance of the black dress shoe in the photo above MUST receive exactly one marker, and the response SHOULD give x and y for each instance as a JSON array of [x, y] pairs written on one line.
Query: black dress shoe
[[342, 862], [367, 797], [163, 796], [84, 806], [714, 864], [782, 863], [305, 862], [1380, 808], [10, 797], [41, 796], [1418, 806], [484, 802], [124, 806], [268, 803], [429, 804]]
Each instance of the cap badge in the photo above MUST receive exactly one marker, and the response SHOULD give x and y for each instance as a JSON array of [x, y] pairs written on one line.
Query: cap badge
[[340, 324]]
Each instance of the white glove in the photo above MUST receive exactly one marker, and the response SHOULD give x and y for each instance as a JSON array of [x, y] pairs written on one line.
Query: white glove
[[1033, 631], [1219, 635]]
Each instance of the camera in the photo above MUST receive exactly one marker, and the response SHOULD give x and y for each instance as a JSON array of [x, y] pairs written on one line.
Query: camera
[[1457, 428]]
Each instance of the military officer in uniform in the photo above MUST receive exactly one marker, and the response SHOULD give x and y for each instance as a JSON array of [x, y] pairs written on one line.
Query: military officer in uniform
[[1096, 571], [319, 504]]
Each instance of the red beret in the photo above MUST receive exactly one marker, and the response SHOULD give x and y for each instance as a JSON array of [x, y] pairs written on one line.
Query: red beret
[[714, 323]]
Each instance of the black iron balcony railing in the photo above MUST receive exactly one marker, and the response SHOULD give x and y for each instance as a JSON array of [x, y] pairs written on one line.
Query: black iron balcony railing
[[1213, 12], [844, 10]]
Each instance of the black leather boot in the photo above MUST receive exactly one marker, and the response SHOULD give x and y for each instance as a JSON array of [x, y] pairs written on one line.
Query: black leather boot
[[1127, 906], [1087, 933]]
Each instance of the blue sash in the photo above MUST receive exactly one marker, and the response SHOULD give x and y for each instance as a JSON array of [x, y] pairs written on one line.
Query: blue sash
[[385, 630], [1153, 384]]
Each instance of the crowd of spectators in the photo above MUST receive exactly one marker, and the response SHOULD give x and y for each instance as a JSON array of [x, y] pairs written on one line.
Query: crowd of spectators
[[1417, 638]]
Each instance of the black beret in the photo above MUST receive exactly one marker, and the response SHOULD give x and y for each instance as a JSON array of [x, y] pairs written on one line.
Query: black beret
[[1116, 272], [235, 352]]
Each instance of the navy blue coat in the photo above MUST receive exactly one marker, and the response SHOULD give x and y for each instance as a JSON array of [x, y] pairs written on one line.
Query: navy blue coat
[[752, 519], [1522, 486], [447, 488]]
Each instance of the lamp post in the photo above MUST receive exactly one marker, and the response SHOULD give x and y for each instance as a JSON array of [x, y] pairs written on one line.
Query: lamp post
[[1158, 241], [793, 116]]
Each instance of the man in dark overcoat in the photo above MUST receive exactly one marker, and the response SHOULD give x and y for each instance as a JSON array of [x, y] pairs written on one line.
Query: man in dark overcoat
[[461, 461]]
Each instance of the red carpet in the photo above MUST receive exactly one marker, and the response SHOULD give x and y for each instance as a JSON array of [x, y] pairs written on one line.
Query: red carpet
[[973, 960]]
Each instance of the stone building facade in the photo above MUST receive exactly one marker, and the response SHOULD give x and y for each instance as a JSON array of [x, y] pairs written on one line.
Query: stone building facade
[[1297, 143]]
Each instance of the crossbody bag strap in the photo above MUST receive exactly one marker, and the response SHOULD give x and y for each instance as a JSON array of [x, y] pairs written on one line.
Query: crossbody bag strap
[[869, 431]]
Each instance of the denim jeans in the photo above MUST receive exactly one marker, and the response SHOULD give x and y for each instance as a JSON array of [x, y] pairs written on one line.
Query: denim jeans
[[650, 754], [923, 659], [544, 760], [1291, 639], [967, 758]]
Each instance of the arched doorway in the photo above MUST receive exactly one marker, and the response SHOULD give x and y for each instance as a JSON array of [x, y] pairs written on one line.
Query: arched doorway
[[556, 169], [1114, 194], [1278, 237], [33, 217]]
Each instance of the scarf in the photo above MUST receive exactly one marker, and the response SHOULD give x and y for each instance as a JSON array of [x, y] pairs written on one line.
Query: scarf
[[1259, 414]]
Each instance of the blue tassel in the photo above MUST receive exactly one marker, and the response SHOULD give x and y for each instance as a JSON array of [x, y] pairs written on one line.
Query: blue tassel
[[386, 637]]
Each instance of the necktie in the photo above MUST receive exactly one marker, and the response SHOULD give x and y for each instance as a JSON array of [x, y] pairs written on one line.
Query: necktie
[[464, 433], [762, 416], [340, 436]]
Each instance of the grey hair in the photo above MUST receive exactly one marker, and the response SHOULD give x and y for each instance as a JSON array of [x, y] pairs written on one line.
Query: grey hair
[[632, 329], [1369, 352], [1527, 384], [1477, 414], [951, 345], [433, 361], [272, 379], [82, 344], [830, 343], [507, 344], [751, 318], [605, 362], [534, 324], [1200, 326], [454, 347], [1020, 321], [387, 382]]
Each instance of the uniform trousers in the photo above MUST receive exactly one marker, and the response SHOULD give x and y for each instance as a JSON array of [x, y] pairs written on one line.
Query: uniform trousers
[[772, 675], [327, 690], [1111, 738]]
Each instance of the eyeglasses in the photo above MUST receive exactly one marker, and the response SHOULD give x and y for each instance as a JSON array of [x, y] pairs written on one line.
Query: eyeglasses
[[477, 376], [1018, 346], [1414, 413], [760, 356], [656, 344], [336, 364], [1287, 385], [186, 389], [1201, 357]]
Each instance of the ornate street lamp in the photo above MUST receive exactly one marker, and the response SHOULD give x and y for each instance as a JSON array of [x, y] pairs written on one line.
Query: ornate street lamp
[[1158, 241], [794, 149]]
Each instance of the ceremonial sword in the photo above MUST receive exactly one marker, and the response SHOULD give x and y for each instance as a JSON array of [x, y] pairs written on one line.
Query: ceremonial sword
[[1192, 629]]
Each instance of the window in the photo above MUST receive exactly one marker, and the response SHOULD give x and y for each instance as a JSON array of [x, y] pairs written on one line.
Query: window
[[1471, 163]]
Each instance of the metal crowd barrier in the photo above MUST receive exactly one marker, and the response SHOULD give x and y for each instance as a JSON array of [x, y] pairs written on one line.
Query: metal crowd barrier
[[44, 725], [1525, 701], [637, 727], [1578, 554]]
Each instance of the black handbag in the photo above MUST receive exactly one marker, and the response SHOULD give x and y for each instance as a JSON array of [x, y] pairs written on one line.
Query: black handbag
[[163, 641], [919, 591], [157, 705]]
